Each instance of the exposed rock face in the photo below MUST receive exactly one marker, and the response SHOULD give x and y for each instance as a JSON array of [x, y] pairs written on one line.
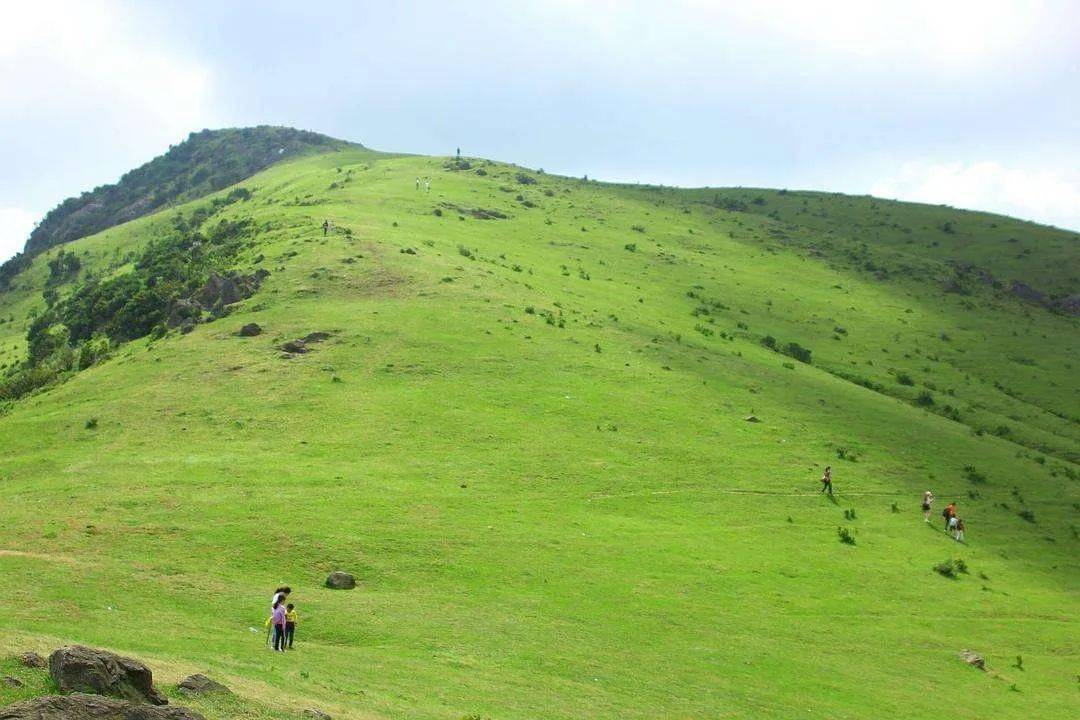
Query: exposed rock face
[[12, 682], [81, 669], [182, 310], [973, 659], [33, 660], [222, 290], [1026, 292], [251, 330], [316, 714], [340, 581], [1069, 305], [199, 684], [91, 707]]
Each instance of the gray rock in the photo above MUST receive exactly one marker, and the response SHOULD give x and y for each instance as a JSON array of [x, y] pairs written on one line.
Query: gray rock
[[751, 418], [91, 707], [315, 337], [295, 347], [251, 330], [12, 682], [317, 714], [338, 580], [181, 310], [33, 660], [199, 684], [973, 659], [81, 669]]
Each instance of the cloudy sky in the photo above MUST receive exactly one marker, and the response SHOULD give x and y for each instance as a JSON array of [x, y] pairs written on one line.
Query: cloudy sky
[[973, 104]]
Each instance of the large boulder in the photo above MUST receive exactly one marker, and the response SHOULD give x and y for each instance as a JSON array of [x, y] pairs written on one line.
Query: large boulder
[[295, 347], [316, 337], [181, 310], [316, 714], [199, 684], [338, 580], [91, 707], [222, 290], [81, 669], [251, 330]]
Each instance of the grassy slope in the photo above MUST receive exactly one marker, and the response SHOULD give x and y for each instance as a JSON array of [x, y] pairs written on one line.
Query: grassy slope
[[541, 528]]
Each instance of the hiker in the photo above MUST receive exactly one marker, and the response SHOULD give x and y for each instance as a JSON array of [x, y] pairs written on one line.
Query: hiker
[[949, 513], [959, 533], [927, 501], [325, 227], [826, 480], [417, 183], [277, 620], [279, 595], [290, 624], [427, 185]]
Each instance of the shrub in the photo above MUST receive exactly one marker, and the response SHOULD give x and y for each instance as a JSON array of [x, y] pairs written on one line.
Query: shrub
[[798, 352], [769, 341], [438, 212], [481, 172], [974, 475], [525, 179], [638, 228], [925, 399], [91, 424], [904, 379], [946, 569], [465, 252], [632, 247], [1027, 515], [845, 536], [849, 514]]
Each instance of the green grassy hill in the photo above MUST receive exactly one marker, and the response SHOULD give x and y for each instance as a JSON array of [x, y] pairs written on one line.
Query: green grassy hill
[[526, 435]]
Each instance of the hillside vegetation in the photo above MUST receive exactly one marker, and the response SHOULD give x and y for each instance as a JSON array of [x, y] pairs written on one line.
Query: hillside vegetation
[[206, 161], [566, 434]]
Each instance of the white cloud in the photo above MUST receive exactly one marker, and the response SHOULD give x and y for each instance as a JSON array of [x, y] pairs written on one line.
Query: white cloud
[[93, 58], [1040, 195], [15, 227]]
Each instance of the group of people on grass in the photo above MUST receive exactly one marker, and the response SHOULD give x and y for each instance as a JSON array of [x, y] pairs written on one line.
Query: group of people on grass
[[281, 625], [954, 524]]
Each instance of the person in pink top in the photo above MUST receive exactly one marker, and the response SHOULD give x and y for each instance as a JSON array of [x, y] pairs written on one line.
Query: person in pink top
[[277, 619]]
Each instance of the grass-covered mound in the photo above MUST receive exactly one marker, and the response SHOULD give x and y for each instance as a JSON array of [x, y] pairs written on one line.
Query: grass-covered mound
[[525, 432]]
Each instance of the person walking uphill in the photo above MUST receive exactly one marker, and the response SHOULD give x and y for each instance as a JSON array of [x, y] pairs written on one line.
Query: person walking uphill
[[826, 480], [325, 227], [949, 513]]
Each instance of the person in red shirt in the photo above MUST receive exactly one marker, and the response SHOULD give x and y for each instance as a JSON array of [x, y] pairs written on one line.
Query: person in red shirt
[[949, 513]]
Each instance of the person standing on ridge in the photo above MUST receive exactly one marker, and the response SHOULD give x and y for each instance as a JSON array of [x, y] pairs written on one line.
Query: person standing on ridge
[[927, 501], [325, 227], [417, 183], [826, 480], [427, 185]]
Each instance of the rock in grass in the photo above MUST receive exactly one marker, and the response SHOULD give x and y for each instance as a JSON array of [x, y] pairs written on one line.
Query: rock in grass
[[81, 669], [199, 684], [295, 347], [973, 659], [315, 337], [316, 714], [751, 418], [91, 707], [340, 581], [11, 682], [33, 660], [251, 330]]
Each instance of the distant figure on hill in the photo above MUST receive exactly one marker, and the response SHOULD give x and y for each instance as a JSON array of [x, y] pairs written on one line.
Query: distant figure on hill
[[417, 183], [325, 227], [927, 501], [290, 624], [959, 531], [826, 480], [459, 153], [427, 185], [949, 513], [277, 619]]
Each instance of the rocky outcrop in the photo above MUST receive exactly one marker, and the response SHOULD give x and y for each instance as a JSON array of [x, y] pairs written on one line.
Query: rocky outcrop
[[1026, 292], [316, 714], [33, 660], [973, 659], [339, 580], [199, 684], [251, 330], [91, 707], [295, 347], [81, 669]]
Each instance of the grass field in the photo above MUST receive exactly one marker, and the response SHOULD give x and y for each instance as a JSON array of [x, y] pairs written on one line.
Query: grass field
[[526, 436]]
